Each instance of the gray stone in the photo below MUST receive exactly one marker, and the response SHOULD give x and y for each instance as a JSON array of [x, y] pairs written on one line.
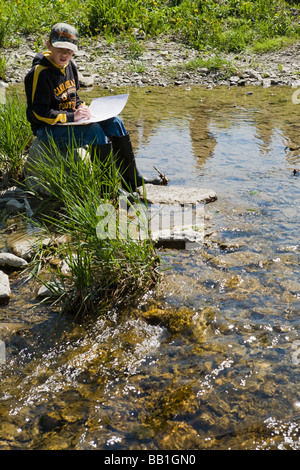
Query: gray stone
[[185, 237], [51, 291], [234, 79], [11, 260], [5, 291], [9, 194], [13, 206], [266, 82], [177, 195], [85, 80], [21, 246]]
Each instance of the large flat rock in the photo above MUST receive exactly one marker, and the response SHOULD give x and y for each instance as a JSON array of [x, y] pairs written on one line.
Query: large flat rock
[[176, 215], [177, 195]]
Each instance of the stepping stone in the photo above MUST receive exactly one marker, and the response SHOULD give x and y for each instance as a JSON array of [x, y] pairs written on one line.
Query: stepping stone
[[177, 195]]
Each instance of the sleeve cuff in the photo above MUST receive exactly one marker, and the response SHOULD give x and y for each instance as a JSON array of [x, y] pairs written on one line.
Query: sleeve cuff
[[70, 117]]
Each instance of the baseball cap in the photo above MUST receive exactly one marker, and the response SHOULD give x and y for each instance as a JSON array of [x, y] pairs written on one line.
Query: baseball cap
[[64, 36]]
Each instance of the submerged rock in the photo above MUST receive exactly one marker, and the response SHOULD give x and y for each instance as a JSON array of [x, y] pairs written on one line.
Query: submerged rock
[[10, 194], [9, 328]]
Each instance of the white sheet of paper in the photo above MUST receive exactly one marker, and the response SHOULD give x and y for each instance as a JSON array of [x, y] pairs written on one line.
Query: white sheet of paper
[[103, 108]]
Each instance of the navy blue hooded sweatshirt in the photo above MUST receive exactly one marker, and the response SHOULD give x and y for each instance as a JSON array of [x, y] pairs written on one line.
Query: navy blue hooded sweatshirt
[[51, 92]]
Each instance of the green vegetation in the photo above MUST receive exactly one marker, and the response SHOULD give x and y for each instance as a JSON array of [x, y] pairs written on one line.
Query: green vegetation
[[227, 25], [15, 135], [107, 265]]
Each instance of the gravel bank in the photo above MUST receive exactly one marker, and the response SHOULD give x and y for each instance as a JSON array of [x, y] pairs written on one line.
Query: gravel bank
[[162, 62]]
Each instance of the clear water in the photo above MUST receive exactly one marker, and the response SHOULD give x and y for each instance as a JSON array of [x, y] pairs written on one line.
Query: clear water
[[212, 360]]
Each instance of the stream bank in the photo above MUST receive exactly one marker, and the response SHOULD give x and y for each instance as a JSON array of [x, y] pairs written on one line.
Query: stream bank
[[164, 62]]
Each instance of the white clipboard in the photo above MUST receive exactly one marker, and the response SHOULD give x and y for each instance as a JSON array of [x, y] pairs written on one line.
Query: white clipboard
[[103, 108]]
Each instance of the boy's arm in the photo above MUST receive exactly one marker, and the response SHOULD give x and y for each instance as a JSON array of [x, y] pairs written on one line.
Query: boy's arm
[[78, 101]]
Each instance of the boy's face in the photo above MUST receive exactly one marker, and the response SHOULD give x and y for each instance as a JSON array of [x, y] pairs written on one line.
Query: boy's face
[[60, 56]]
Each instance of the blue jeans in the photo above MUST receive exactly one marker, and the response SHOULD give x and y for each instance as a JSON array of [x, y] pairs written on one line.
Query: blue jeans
[[89, 134]]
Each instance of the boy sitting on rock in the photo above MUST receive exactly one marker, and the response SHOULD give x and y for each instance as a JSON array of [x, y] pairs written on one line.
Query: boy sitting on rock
[[51, 88]]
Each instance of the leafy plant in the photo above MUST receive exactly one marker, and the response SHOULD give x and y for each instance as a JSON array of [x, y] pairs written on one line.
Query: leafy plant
[[15, 134], [2, 67], [4, 30]]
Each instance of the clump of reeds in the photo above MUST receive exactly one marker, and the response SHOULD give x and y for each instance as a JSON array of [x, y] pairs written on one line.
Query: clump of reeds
[[105, 269], [15, 135]]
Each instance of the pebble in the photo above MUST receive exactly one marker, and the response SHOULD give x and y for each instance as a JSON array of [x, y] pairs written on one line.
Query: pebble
[[49, 291], [21, 246]]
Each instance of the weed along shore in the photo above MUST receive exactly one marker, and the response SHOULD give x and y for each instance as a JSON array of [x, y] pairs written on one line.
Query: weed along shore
[[164, 318]]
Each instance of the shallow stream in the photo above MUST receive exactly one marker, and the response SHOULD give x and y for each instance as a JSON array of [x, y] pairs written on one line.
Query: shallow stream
[[223, 371]]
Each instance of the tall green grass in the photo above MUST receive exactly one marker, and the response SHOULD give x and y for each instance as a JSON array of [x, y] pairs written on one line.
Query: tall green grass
[[227, 25], [15, 135], [106, 268]]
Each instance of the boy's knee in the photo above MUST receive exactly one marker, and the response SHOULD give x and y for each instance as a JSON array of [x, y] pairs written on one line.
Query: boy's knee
[[113, 127], [94, 134]]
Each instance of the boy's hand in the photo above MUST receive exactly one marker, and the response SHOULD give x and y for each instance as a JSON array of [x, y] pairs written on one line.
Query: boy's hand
[[82, 113]]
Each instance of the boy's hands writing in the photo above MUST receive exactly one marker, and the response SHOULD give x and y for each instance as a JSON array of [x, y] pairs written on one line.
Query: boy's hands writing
[[82, 113]]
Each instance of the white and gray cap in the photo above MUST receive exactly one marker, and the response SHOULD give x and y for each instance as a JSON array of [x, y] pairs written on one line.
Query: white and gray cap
[[64, 36]]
